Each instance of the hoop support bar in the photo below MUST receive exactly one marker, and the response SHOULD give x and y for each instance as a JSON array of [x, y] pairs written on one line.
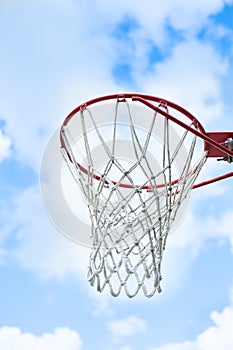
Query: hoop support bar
[[216, 179], [207, 137]]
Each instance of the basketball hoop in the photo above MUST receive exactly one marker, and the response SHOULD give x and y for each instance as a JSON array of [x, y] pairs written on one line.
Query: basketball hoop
[[136, 159]]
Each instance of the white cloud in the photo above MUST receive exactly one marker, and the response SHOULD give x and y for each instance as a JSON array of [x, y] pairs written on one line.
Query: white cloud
[[218, 227], [217, 337], [221, 227], [39, 246], [60, 66], [101, 303], [191, 76], [180, 14], [190, 16], [193, 237], [150, 29], [126, 327], [5, 144], [72, 63], [12, 338], [218, 31]]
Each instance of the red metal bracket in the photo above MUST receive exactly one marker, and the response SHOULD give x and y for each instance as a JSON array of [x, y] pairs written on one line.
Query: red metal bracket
[[220, 138]]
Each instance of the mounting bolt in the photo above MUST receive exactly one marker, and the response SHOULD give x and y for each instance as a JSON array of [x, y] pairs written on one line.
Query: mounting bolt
[[229, 144]]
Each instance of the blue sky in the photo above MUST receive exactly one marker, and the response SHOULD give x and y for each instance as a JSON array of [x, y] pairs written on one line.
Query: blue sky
[[53, 56]]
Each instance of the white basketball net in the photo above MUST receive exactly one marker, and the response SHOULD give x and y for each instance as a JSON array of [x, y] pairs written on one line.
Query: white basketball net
[[135, 179]]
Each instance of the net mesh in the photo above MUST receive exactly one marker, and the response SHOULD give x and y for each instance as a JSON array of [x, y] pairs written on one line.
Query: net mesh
[[135, 180]]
